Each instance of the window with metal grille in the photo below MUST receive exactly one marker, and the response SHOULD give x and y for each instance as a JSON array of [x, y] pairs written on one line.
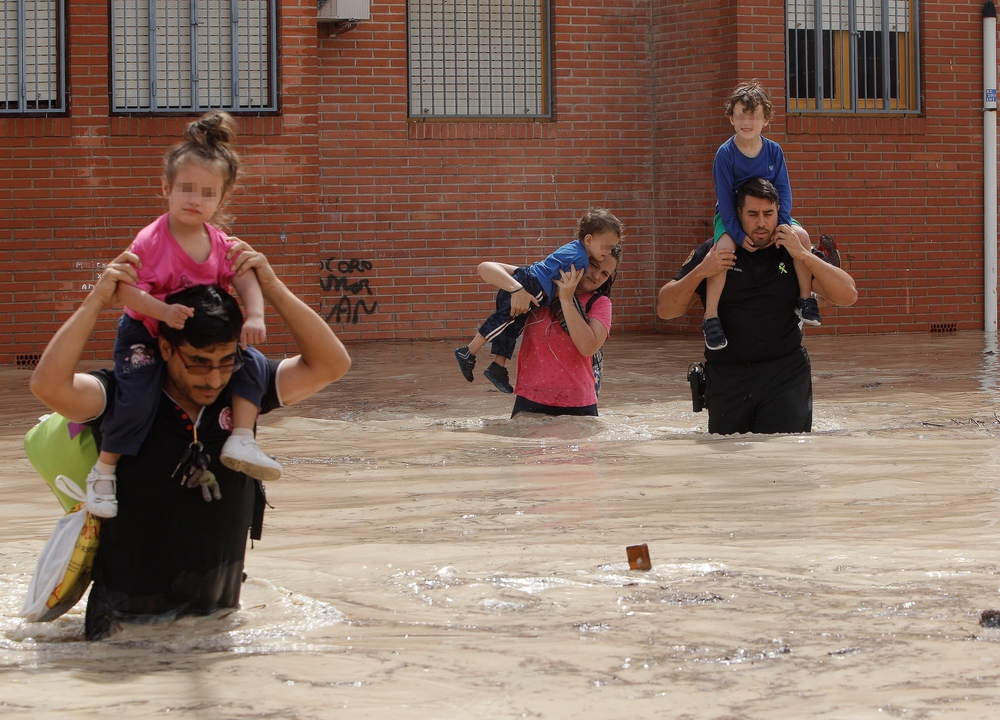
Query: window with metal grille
[[193, 55], [33, 56], [478, 58], [852, 56]]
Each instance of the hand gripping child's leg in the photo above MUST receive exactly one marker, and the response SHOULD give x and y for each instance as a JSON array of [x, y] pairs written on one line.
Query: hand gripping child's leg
[[241, 452]]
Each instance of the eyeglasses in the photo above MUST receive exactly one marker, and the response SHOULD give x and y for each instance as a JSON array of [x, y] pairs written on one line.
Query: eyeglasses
[[201, 369]]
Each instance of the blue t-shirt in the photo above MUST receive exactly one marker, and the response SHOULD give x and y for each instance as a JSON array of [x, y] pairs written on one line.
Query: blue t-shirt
[[732, 168], [547, 270]]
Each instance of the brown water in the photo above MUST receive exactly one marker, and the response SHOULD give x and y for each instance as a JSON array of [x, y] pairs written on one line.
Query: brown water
[[429, 558]]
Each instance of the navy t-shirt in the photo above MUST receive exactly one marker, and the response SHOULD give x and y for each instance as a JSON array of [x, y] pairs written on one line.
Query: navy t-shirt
[[757, 307], [169, 553]]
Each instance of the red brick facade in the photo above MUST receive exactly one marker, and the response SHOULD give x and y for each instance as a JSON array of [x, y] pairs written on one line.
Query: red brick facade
[[341, 178]]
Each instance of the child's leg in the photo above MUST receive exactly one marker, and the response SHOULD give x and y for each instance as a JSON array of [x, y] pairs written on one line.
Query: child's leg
[[801, 271], [477, 344], [715, 284], [711, 326], [130, 412], [101, 487], [466, 356], [503, 349], [807, 308], [241, 452], [244, 414]]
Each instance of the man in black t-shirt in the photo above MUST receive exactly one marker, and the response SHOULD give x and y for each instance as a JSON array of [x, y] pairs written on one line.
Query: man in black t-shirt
[[760, 382], [178, 548]]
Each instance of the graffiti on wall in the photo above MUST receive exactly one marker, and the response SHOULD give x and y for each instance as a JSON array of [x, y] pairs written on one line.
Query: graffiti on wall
[[347, 278]]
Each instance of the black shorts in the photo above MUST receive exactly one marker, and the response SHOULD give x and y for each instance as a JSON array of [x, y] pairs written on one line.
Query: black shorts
[[524, 405], [765, 397]]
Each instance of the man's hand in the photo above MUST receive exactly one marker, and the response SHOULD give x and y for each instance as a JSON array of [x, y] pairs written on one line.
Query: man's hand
[[568, 282], [718, 260], [521, 301], [124, 268], [249, 259], [176, 315], [254, 332], [785, 236]]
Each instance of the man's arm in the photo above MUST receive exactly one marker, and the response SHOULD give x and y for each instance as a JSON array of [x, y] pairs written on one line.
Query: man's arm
[[322, 357], [677, 296], [78, 396], [829, 281]]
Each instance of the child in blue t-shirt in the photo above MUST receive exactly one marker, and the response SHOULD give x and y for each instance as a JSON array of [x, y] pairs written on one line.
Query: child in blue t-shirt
[[598, 232], [745, 156]]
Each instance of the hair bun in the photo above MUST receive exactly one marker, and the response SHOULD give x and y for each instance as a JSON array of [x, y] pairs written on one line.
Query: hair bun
[[212, 129]]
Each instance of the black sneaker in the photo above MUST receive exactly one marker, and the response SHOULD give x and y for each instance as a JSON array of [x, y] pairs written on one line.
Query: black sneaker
[[808, 310], [715, 338], [830, 252], [498, 375], [466, 361]]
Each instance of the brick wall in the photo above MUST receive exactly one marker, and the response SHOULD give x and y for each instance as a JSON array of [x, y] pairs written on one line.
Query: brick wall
[[425, 202], [379, 221], [75, 189], [902, 197]]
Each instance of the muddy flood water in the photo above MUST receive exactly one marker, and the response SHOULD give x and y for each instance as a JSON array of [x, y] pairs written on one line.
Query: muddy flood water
[[427, 557]]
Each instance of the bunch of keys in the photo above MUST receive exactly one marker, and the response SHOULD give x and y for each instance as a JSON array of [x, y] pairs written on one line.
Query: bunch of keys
[[194, 472]]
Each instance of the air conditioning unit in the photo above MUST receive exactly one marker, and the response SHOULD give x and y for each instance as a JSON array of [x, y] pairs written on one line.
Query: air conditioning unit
[[339, 10]]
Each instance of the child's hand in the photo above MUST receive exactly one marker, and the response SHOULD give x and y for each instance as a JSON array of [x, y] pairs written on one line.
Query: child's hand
[[521, 302], [254, 332], [568, 282], [177, 315]]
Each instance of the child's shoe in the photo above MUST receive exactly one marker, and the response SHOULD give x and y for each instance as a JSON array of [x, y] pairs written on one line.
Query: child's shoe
[[808, 310], [715, 338], [830, 252], [101, 505], [498, 375], [466, 361], [242, 454]]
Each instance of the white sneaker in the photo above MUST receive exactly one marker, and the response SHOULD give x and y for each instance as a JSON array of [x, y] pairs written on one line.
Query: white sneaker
[[102, 506], [242, 454]]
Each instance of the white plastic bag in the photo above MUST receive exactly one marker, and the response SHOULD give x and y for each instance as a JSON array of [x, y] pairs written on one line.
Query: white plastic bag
[[63, 571]]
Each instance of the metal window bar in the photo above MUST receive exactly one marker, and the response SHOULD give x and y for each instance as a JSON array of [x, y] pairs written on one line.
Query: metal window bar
[[193, 55], [33, 57], [478, 58], [852, 56]]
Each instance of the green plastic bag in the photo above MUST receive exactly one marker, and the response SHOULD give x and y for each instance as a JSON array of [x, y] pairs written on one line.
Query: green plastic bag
[[63, 453]]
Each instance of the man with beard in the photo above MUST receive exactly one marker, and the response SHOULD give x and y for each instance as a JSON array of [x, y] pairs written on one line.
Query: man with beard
[[761, 381]]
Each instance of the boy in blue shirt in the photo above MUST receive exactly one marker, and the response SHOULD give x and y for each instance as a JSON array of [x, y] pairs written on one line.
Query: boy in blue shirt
[[598, 232], [745, 156]]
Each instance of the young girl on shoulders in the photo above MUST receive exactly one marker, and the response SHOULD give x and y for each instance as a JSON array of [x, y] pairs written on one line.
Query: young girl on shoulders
[[182, 249]]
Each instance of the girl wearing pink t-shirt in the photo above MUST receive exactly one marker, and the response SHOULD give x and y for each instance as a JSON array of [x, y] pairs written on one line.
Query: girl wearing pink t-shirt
[[559, 363], [178, 250]]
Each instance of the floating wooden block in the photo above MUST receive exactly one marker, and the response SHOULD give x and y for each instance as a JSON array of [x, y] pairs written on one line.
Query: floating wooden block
[[638, 557]]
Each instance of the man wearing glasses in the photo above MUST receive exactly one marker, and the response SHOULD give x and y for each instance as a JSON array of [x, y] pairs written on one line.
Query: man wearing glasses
[[178, 542]]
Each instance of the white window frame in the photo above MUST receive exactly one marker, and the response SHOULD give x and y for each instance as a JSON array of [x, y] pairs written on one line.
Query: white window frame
[[478, 59], [32, 57], [863, 70], [163, 62]]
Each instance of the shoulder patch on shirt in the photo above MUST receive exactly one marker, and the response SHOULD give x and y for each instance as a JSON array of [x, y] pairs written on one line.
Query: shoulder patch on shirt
[[689, 258]]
